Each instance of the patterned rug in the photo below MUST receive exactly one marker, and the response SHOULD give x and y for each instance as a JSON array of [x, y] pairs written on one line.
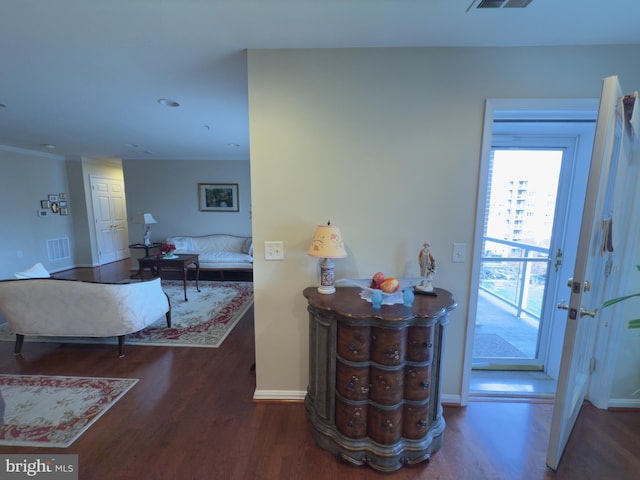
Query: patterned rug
[[204, 320], [44, 411]]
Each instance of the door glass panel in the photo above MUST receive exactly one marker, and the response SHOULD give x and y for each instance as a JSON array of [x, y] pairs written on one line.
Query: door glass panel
[[519, 219]]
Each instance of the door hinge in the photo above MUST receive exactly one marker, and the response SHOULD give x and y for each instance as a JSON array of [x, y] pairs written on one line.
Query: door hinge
[[558, 259], [592, 365]]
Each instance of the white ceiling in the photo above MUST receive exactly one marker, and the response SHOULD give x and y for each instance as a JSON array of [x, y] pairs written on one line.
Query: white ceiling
[[85, 75]]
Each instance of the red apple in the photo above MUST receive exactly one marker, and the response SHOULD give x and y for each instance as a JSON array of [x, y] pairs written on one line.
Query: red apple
[[377, 280]]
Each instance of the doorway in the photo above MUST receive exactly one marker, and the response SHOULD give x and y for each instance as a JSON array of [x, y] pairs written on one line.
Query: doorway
[[110, 217], [533, 178]]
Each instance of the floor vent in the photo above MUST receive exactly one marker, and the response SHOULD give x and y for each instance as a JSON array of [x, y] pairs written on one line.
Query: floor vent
[[58, 248]]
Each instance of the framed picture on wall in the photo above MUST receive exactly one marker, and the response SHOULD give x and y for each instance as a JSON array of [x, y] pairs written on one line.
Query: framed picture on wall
[[218, 197]]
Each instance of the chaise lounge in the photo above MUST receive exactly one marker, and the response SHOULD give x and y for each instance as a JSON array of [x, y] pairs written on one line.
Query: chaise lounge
[[71, 308]]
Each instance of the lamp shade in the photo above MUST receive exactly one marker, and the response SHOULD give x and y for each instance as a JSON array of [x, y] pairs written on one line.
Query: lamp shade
[[143, 218], [327, 243]]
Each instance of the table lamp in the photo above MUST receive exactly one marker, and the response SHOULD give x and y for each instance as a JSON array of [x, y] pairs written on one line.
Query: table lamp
[[145, 219], [327, 244]]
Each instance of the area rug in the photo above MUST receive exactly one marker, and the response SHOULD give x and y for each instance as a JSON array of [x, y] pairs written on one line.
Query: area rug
[[491, 345], [45, 411], [205, 320]]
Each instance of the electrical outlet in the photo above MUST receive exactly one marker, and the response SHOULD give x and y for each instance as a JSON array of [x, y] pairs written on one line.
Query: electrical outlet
[[274, 250], [459, 253]]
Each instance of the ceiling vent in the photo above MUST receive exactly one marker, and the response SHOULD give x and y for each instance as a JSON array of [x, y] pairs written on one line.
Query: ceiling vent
[[503, 3]]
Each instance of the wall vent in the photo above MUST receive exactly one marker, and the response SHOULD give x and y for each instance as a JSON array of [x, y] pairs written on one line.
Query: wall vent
[[58, 248], [502, 3]]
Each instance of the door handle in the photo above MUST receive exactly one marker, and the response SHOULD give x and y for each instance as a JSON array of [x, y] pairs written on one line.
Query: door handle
[[563, 306], [585, 312], [586, 287]]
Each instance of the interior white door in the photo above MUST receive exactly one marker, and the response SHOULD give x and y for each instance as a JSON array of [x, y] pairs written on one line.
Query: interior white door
[[591, 278], [109, 210]]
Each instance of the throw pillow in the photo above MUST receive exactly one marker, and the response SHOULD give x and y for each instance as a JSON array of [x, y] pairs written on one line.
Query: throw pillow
[[37, 271], [183, 244], [247, 246]]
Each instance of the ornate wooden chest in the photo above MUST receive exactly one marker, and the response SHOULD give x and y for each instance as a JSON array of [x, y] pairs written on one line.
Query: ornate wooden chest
[[374, 377]]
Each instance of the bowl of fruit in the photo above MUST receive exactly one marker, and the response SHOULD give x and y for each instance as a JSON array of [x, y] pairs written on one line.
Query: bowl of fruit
[[389, 286]]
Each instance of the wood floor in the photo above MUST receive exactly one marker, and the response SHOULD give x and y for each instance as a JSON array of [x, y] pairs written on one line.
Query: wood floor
[[191, 416]]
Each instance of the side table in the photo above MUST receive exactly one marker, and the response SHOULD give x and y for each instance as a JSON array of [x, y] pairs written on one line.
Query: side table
[[139, 246], [179, 263]]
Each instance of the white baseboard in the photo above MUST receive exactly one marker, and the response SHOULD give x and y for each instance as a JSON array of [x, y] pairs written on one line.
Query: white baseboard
[[287, 395], [451, 399], [279, 395], [624, 403]]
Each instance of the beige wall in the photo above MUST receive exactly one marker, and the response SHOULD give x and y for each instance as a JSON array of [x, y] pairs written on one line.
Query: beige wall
[[384, 143]]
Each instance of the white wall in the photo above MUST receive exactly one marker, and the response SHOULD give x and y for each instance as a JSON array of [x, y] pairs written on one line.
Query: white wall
[[384, 143], [25, 179], [169, 191]]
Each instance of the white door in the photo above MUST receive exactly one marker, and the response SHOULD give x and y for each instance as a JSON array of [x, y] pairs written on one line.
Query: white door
[[110, 216], [592, 281]]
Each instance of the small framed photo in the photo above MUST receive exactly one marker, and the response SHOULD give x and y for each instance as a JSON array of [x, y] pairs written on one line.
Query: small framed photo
[[55, 208], [64, 211], [218, 197], [53, 197], [62, 204], [45, 204], [62, 196]]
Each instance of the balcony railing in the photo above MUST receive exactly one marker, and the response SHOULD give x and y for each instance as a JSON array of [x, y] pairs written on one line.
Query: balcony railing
[[515, 273]]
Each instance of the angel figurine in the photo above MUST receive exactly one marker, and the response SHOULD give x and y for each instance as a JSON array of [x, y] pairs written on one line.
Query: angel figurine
[[147, 237], [427, 269]]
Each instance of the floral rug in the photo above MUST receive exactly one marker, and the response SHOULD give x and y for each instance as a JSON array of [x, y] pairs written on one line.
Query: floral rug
[[204, 320], [45, 411]]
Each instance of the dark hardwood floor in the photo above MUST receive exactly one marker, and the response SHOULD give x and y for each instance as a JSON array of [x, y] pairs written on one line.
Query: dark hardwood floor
[[192, 416]]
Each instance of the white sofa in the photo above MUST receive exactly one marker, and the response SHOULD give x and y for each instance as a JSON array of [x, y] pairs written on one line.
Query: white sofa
[[73, 308], [218, 251]]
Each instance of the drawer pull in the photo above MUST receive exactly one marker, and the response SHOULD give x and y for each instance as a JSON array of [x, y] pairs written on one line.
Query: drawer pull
[[353, 349], [428, 344], [422, 423], [425, 385]]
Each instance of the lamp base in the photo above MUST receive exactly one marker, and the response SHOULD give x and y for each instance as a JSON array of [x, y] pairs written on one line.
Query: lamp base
[[326, 277], [327, 290]]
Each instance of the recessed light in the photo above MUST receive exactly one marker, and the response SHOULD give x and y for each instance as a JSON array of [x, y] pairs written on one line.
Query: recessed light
[[234, 145], [48, 145], [2, 105], [165, 102]]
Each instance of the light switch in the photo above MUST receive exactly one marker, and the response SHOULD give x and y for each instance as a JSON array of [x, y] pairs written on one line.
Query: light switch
[[459, 253], [274, 250]]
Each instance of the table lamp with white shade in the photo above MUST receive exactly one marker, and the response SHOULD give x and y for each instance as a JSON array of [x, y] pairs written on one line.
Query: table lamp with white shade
[[327, 244], [145, 219]]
